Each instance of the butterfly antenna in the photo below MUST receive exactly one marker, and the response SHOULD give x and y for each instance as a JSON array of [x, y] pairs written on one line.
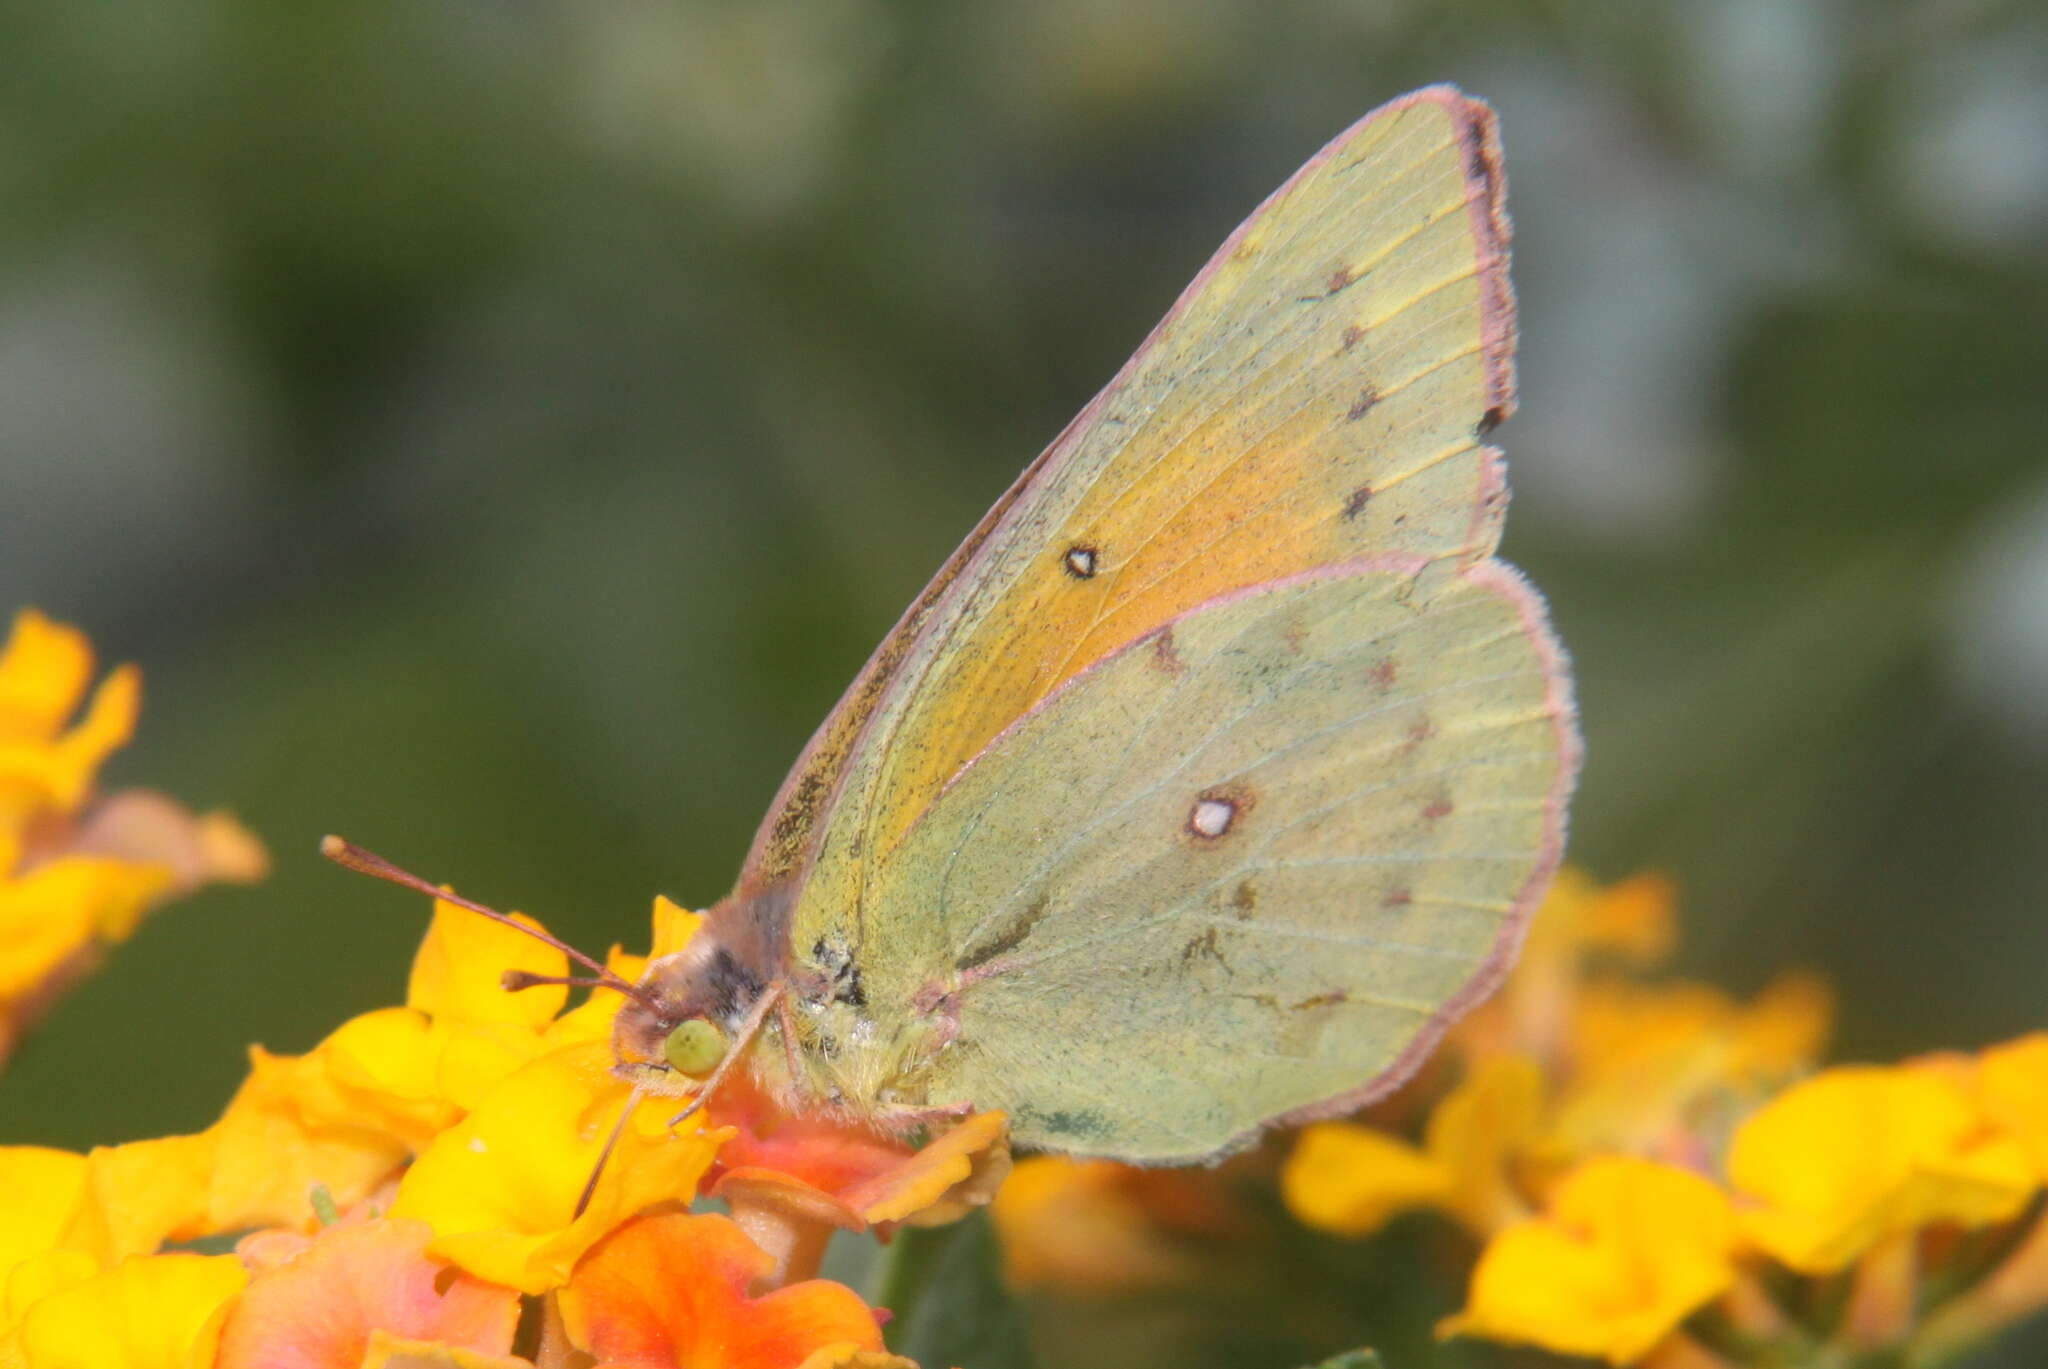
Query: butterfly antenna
[[610, 1142], [363, 861]]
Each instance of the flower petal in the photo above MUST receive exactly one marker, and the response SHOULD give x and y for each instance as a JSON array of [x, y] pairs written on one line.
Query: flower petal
[[149, 1312], [2012, 1083], [1625, 1252], [670, 1292], [319, 1309], [500, 1187], [456, 973], [1839, 1161], [1351, 1180]]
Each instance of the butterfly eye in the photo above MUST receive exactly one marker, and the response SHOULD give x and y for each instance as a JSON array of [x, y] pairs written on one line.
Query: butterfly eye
[[694, 1047]]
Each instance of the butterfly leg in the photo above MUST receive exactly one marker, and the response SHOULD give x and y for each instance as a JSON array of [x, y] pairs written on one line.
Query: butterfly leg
[[749, 1029], [786, 1016], [903, 1118]]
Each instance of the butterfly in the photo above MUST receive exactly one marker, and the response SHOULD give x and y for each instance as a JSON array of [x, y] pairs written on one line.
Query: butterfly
[[1222, 766]]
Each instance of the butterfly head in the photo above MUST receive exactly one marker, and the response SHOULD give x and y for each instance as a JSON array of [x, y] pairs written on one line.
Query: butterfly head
[[690, 1007]]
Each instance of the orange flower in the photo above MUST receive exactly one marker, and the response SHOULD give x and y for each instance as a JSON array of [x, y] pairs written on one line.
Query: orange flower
[[1098, 1227], [671, 1292], [792, 1180], [317, 1306]]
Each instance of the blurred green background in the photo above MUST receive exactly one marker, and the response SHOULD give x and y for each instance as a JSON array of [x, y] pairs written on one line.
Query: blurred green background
[[500, 428]]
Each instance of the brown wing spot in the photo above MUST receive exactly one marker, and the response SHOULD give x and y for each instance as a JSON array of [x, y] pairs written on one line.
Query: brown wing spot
[[1164, 654], [1397, 898], [1080, 561], [1385, 673], [1005, 940], [1436, 808], [1216, 811], [1208, 946], [1355, 502], [1362, 405], [1490, 420], [1339, 278], [1420, 731], [1244, 898], [1352, 337], [1323, 1000]]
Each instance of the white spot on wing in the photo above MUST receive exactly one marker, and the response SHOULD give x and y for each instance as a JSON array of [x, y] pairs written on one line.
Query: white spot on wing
[[1212, 817], [1081, 561]]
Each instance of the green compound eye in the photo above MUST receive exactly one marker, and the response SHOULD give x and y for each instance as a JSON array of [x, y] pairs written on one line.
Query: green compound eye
[[694, 1048]]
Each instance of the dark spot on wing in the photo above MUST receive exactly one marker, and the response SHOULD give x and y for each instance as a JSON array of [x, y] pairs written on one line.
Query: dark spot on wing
[[1080, 561], [1355, 502], [1005, 940], [1339, 278], [1362, 405], [1352, 337], [1397, 898], [1244, 898], [1077, 1122], [1490, 420], [1436, 808], [1163, 653], [1324, 1000], [1205, 946], [1385, 673]]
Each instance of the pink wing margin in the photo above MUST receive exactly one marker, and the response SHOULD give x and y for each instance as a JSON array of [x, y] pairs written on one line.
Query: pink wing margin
[[785, 843]]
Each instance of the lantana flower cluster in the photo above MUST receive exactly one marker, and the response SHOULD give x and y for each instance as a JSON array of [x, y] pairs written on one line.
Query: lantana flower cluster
[[412, 1190], [1658, 1174], [78, 871]]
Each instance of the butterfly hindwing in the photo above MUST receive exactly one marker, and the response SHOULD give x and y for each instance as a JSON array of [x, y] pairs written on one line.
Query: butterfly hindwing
[[1241, 868]]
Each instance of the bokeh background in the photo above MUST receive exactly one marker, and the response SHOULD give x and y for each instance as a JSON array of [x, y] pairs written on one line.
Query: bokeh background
[[500, 428]]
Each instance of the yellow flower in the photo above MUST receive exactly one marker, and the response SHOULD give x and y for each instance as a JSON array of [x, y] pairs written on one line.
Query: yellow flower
[[500, 1188], [1352, 1179], [148, 1312], [44, 670], [385, 1084], [1835, 1164], [1625, 1251], [2012, 1084], [1651, 1069], [77, 876]]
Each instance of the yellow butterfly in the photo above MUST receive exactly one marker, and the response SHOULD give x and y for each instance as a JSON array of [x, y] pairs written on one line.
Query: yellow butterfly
[[1222, 766]]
